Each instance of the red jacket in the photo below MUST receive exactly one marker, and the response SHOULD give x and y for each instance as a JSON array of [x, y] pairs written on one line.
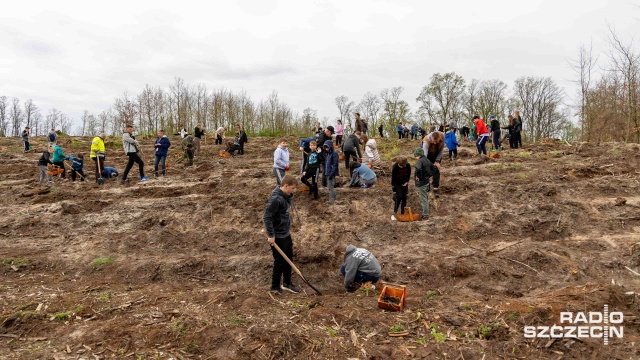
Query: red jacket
[[481, 127]]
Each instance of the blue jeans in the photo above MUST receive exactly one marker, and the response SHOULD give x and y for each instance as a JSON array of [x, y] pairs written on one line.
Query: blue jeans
[[481, 144], [496, 140], [163, 159], [361, 278]]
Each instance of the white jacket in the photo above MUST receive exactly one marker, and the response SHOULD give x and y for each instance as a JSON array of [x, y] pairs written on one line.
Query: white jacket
[[129, 144], [371, 149]]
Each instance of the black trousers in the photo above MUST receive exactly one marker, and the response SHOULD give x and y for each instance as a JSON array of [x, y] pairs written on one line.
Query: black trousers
[[313, 185], [517, 141], [26, 146], [454, 152], [218, 139], [241, 151], [61, 165], [400, 197], [399, 134], [338, 140], [133, 158], [74, 172], [281, 269], [348, 155]]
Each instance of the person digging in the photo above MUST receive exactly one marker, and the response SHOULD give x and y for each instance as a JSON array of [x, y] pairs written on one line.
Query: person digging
[[425, 170], [277, 223]]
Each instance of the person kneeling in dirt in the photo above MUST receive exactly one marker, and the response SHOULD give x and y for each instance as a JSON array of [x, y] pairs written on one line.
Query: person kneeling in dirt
[[425, 170], [110, 172], [77, 163], [277, 223], [187, 147], [362, 176], [232, 147], [312, 170], [359, 267]]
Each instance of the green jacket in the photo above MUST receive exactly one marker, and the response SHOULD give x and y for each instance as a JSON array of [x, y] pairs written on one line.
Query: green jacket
[[58, 155]]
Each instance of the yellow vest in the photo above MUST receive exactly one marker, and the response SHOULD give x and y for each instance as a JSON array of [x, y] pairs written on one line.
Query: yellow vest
[[97, 146]]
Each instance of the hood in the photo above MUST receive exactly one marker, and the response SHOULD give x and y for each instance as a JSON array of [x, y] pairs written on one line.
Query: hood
[[278, 192], [350, 249], [329, 143], [283, 149], [372, 144]]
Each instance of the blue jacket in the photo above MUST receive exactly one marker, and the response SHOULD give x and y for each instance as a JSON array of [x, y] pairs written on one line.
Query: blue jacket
[[281, 158], [363, 172], [331, 160], [76, 164], [450, 140], [110, 172], [399, 127], [304, 143], [164, 145], [414, 129]]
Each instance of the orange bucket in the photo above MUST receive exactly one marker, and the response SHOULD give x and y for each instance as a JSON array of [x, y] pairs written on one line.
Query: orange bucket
[[392, 296], [303, 188], [225, 154], [408, 216]]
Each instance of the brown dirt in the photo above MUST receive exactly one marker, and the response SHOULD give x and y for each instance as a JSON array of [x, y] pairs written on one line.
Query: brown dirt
[[178, 267]]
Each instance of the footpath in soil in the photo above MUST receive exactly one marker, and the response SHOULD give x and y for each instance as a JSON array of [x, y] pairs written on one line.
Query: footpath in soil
[[178, 267]]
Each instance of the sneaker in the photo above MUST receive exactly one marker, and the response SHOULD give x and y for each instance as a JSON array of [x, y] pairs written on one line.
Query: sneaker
[[436, 193], [393, 218], [275, 291], [144, 178], [122, 181], [365, 186], [424, 218], [290, 287]]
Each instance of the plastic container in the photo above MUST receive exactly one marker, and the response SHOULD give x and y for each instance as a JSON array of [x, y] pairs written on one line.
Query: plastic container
[[408, 215], [392, 290]]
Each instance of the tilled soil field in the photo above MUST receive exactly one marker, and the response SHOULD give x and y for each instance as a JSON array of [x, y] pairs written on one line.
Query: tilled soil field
[[178, 267]]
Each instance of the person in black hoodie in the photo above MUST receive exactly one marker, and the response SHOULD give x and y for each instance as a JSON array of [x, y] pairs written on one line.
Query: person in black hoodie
[[325, 136], [350, 148], [312, 169], [425, 170], [45, 160], [517, 129], [242, 138], [277, 223], [400, 176], [495, 132]]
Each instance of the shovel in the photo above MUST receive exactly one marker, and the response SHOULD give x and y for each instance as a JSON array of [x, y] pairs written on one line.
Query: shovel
[[296, 269], [84, 178], [100, 180]]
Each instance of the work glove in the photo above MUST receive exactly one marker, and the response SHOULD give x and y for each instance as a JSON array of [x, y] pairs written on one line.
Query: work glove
[[286, 168]]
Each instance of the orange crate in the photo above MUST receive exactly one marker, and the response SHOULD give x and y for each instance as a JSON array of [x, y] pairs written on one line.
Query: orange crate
[[303, 188], [392, 290], [225, 154]]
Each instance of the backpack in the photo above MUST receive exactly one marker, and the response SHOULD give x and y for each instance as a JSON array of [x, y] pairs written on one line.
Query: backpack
[[52, 137], [188, 141]]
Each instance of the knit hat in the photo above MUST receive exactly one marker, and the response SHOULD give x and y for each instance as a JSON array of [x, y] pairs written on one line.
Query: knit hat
[[418, 152]]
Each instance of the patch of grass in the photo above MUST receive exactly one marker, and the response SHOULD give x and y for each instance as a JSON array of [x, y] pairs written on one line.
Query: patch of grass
[[495, 167], [104, 297], [332, 331], [237, 320], [76, 144], [178, 328], [437, 336], [191, 347], [367, 288], [524, 154], [62, 316], [484, 331], [431, 294], [422, 340], [15, 262], [468, 306], [521, 176], [397, 328], [104, 261], [512, 316]]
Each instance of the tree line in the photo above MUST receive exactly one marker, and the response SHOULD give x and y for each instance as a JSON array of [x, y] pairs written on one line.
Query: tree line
[[607, 108]]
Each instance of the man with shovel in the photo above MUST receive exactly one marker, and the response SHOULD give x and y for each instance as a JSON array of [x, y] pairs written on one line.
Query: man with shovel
[[277, 223], [97, 154]]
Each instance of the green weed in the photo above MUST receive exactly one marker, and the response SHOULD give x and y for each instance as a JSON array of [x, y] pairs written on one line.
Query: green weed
[[431, 294], [178, 328], [191, 347], [397, 328], [104, 297], [512, 316], [237, 320], [62, 316], [103, 261], [15, 262], [332, 331], [521, 176]]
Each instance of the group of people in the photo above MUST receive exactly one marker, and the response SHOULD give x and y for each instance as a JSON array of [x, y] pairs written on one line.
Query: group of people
[[53, 159]]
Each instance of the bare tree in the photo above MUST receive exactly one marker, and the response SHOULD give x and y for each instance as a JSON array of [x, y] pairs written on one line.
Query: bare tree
[[443, 97], [370, 106], [491, 98], [65, 123], [4, 117], [126, 110], [29, 110], [583, 66], [542, 112], [16, 116], [344, 107]]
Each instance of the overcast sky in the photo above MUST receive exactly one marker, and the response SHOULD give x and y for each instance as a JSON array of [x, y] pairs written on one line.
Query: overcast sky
[[76, 55]]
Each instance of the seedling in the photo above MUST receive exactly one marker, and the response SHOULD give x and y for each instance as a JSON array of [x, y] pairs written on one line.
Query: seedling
[[438, 336], [104, 297], [431, 294], [397, 328], [332, 331]]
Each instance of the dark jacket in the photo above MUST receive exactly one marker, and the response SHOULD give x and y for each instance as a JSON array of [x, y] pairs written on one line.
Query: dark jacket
[[357, 259], [304, 143], [495, 125], [322, 139], [45, 159], [25, 135], [76, 163], [164, 145], [352, 144], [424, 170], [277, 221], [400, 175], [198, 133], [242, 137], [517, 125], [331, 160]]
